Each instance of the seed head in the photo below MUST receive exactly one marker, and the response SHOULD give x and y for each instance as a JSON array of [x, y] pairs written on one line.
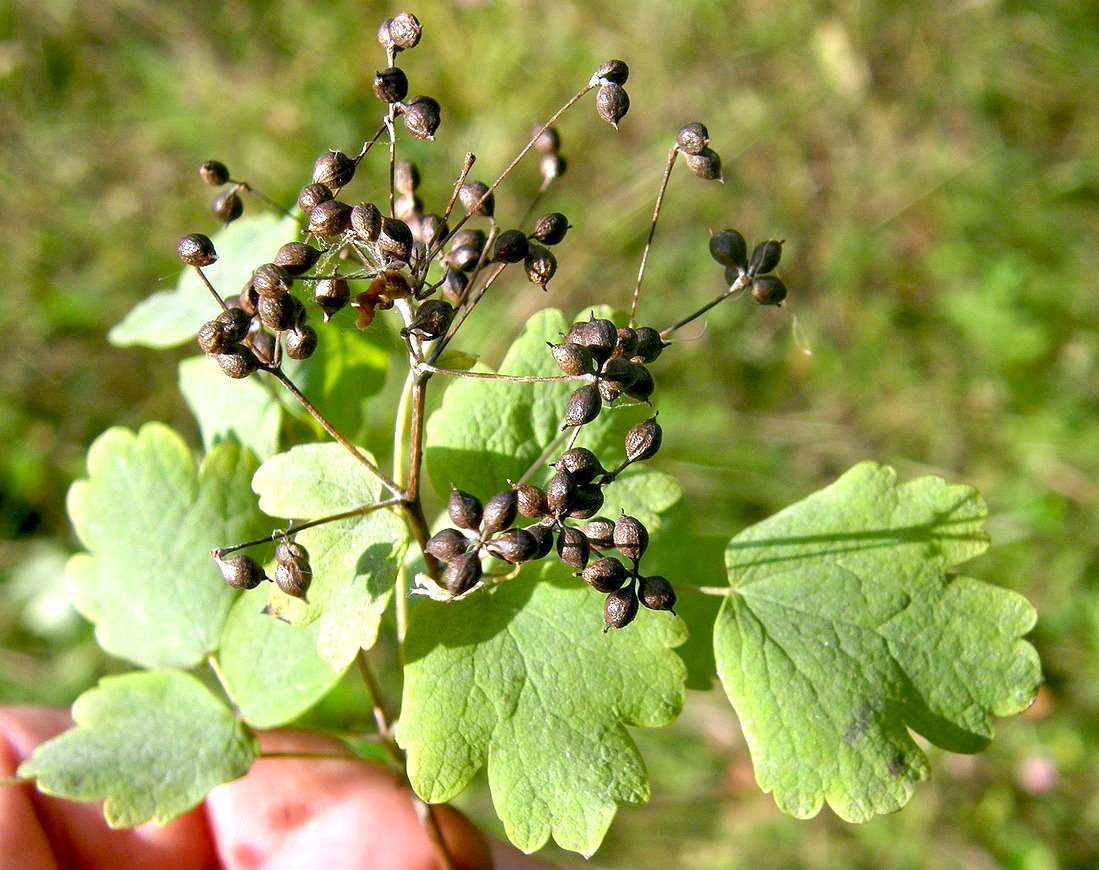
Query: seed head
[[334, 170], [391, 85], [196, 250], [500, 510], [422, 117], [765, 257], [297, 258], [706, 164], [620, 608], [476, 200], [465, 509], [631, 538], [463, 573], [401, 32], [271, 280], [643, 440], [237, 362], [228, 206], [550, 229], [612, 102], [605, 575], [241, 572], [540, 265], [573, 547], [511, 247], [729, 249], [301, 342], [447, 545], [329, 218], [656, 593], [583, 406], [768, 290], [515, 546], [313, 195], [692, 138], [612, 71]]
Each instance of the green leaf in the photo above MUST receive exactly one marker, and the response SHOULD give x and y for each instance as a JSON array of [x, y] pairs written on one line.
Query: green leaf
[[151, 744], [149, 519], [843, 631], [524, 679], [271, 669], [244, 412], [171, 317], [348, 368], [354, 560], [486, 432]]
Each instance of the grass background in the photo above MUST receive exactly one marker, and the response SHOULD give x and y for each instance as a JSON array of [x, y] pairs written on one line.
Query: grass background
[[934, 168]]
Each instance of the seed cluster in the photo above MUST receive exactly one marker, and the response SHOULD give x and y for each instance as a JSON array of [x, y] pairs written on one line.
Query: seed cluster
[[293, 573], [730, 249]]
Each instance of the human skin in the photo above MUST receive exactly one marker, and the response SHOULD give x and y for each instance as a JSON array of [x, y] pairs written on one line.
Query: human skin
[[286, 813]]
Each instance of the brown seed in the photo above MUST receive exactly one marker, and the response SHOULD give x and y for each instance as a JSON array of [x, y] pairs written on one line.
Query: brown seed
[[543, 536], [582, 464], [499, 512], [271, 280], [465, 509], [241, 572], [583, 406], [625, 345], [331, 294], [643, 440], [586, 503], [730, 249], [280, 313], [619, 609], [235, 322], [329, 218], [511, 247], [560, 492], [631, 538], [297, 258], [196, 250], [643, 387], [765, 257], [214, 173], [366, 221], [301, 342], [422, 117], [573, 547], [540, 265], [431, 321], [237, 362], [656, 593], [447, 545], [768, 290], [548, 141], [476, 199], [572, 359], [334, 170], [600, 533], [401, 32], [515, 546], [395, 240], [550, 229], [531, 501], [706, 164], [605, 575], [313, 195], [614, 71], [391, 85], [228, 206], [213, 337], [692, 138], [463, 573], [649, 344], [612, 102], [294, 577]]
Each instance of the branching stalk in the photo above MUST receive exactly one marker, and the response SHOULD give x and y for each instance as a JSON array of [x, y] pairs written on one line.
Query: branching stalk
[[672, 154]]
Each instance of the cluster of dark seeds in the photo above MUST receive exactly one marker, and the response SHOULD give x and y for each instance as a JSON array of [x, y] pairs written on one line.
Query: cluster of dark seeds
[[693, 142], [611, 100], [292, 571], [730, 249]]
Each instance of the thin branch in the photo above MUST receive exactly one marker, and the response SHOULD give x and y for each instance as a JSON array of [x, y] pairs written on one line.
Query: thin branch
[[441, 345], [247, 188], [492, 376], [370, 144], [543, 458], [739, 284], [427, 816], [210, 287], [381, 720], [672, 154], [413, 507]]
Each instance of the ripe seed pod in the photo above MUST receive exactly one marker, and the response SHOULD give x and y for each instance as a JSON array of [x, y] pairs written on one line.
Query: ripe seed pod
[[334, 170], [406, 177], [464, 258], [612, 102], [613, 71], [643, 387], [235, 323], [656, 593], [543, 537], [431, 320], [573, 548], [643, 440], [465, 510], [550, 228], [548, 141], [422, 117], [248, 298], [228, 206], [395, 240], [692, 138], [476, 199], [331, 294], [431, 229], [271, 281], [454, 284], [605, 575], [625, 345], [511, 247], [262, 341], [301, 342], [237, 362], [196, 250], [294, 577], [600, 533], [765, 257], [583, 406], [649, 344], [599, 336], [312, 195], [619, 372], [288, 551], [475, 239], [463, 573], [582, 464], [241, 572], [447, 545], [560, 492], [619, 609], [572, 359], [214, 172], [609, 391], [730, 249], [366, 221], [586, 502], [531, 501], [391, 85], [499, 512], [515, 546], [280, 313], [329, 218], [631, 538], [706, 164], [408, 208], [297, 258], [213, 337], [401, 32], [768, 290]]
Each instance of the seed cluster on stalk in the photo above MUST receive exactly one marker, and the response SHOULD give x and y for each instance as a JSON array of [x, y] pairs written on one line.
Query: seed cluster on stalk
[[293, 573]]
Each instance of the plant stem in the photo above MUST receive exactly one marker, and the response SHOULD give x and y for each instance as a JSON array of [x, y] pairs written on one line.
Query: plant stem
[[380, 718], [332, 431], [541, 460], [247, 188], [672, 154], [739, 284], [210, 287], [414, 509], [492, 376]]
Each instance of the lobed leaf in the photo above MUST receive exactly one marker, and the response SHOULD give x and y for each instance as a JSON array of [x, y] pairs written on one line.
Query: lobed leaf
[[151, 745], [354, 560], [523, 679], [169, 318], [843, 630], [149, 519]]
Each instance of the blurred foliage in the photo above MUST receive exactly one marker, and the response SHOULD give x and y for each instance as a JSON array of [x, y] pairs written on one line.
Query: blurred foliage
[[934, 168]]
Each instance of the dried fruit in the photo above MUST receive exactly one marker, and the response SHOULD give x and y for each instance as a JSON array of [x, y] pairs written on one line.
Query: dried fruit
[[692, 138], [447, 545], [237, 362], [765, 257], [297, 258], [499, 511], [649, 344], [228, 206], [600, 533], [552, 166], [366, 221], [643, 440], [599, 336], [391, 85], [643, 386], [463, 573], [540, 265], [293, 573], [329, 218], [331, 294], [235, 323], [431, 320], [395, 240], [582, 464], [730, 249], [241, 572], [543, 536], [422, 117], [515, 546], [196, 250], [301, 342], [213, 338], [613, 71], [605, 575], [465, 510], [583, 406], [572, 359], [656, 593], [550, 229], [625, 344], [706, 164], [454, 284], [631, 538], [560, 491], [406, 177], [612, 102], [280, 313], [531, 501], [271, 280], [586, 502], [573, 547], [476, 199], [334, 170], [431, 229], [548, 141], [313, 195], [620, 608], [511, 247], [214, 172], [768, 290], [401, 32]]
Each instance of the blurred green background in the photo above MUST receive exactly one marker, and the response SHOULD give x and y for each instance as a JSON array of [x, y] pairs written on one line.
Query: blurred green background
[[934, 168]]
